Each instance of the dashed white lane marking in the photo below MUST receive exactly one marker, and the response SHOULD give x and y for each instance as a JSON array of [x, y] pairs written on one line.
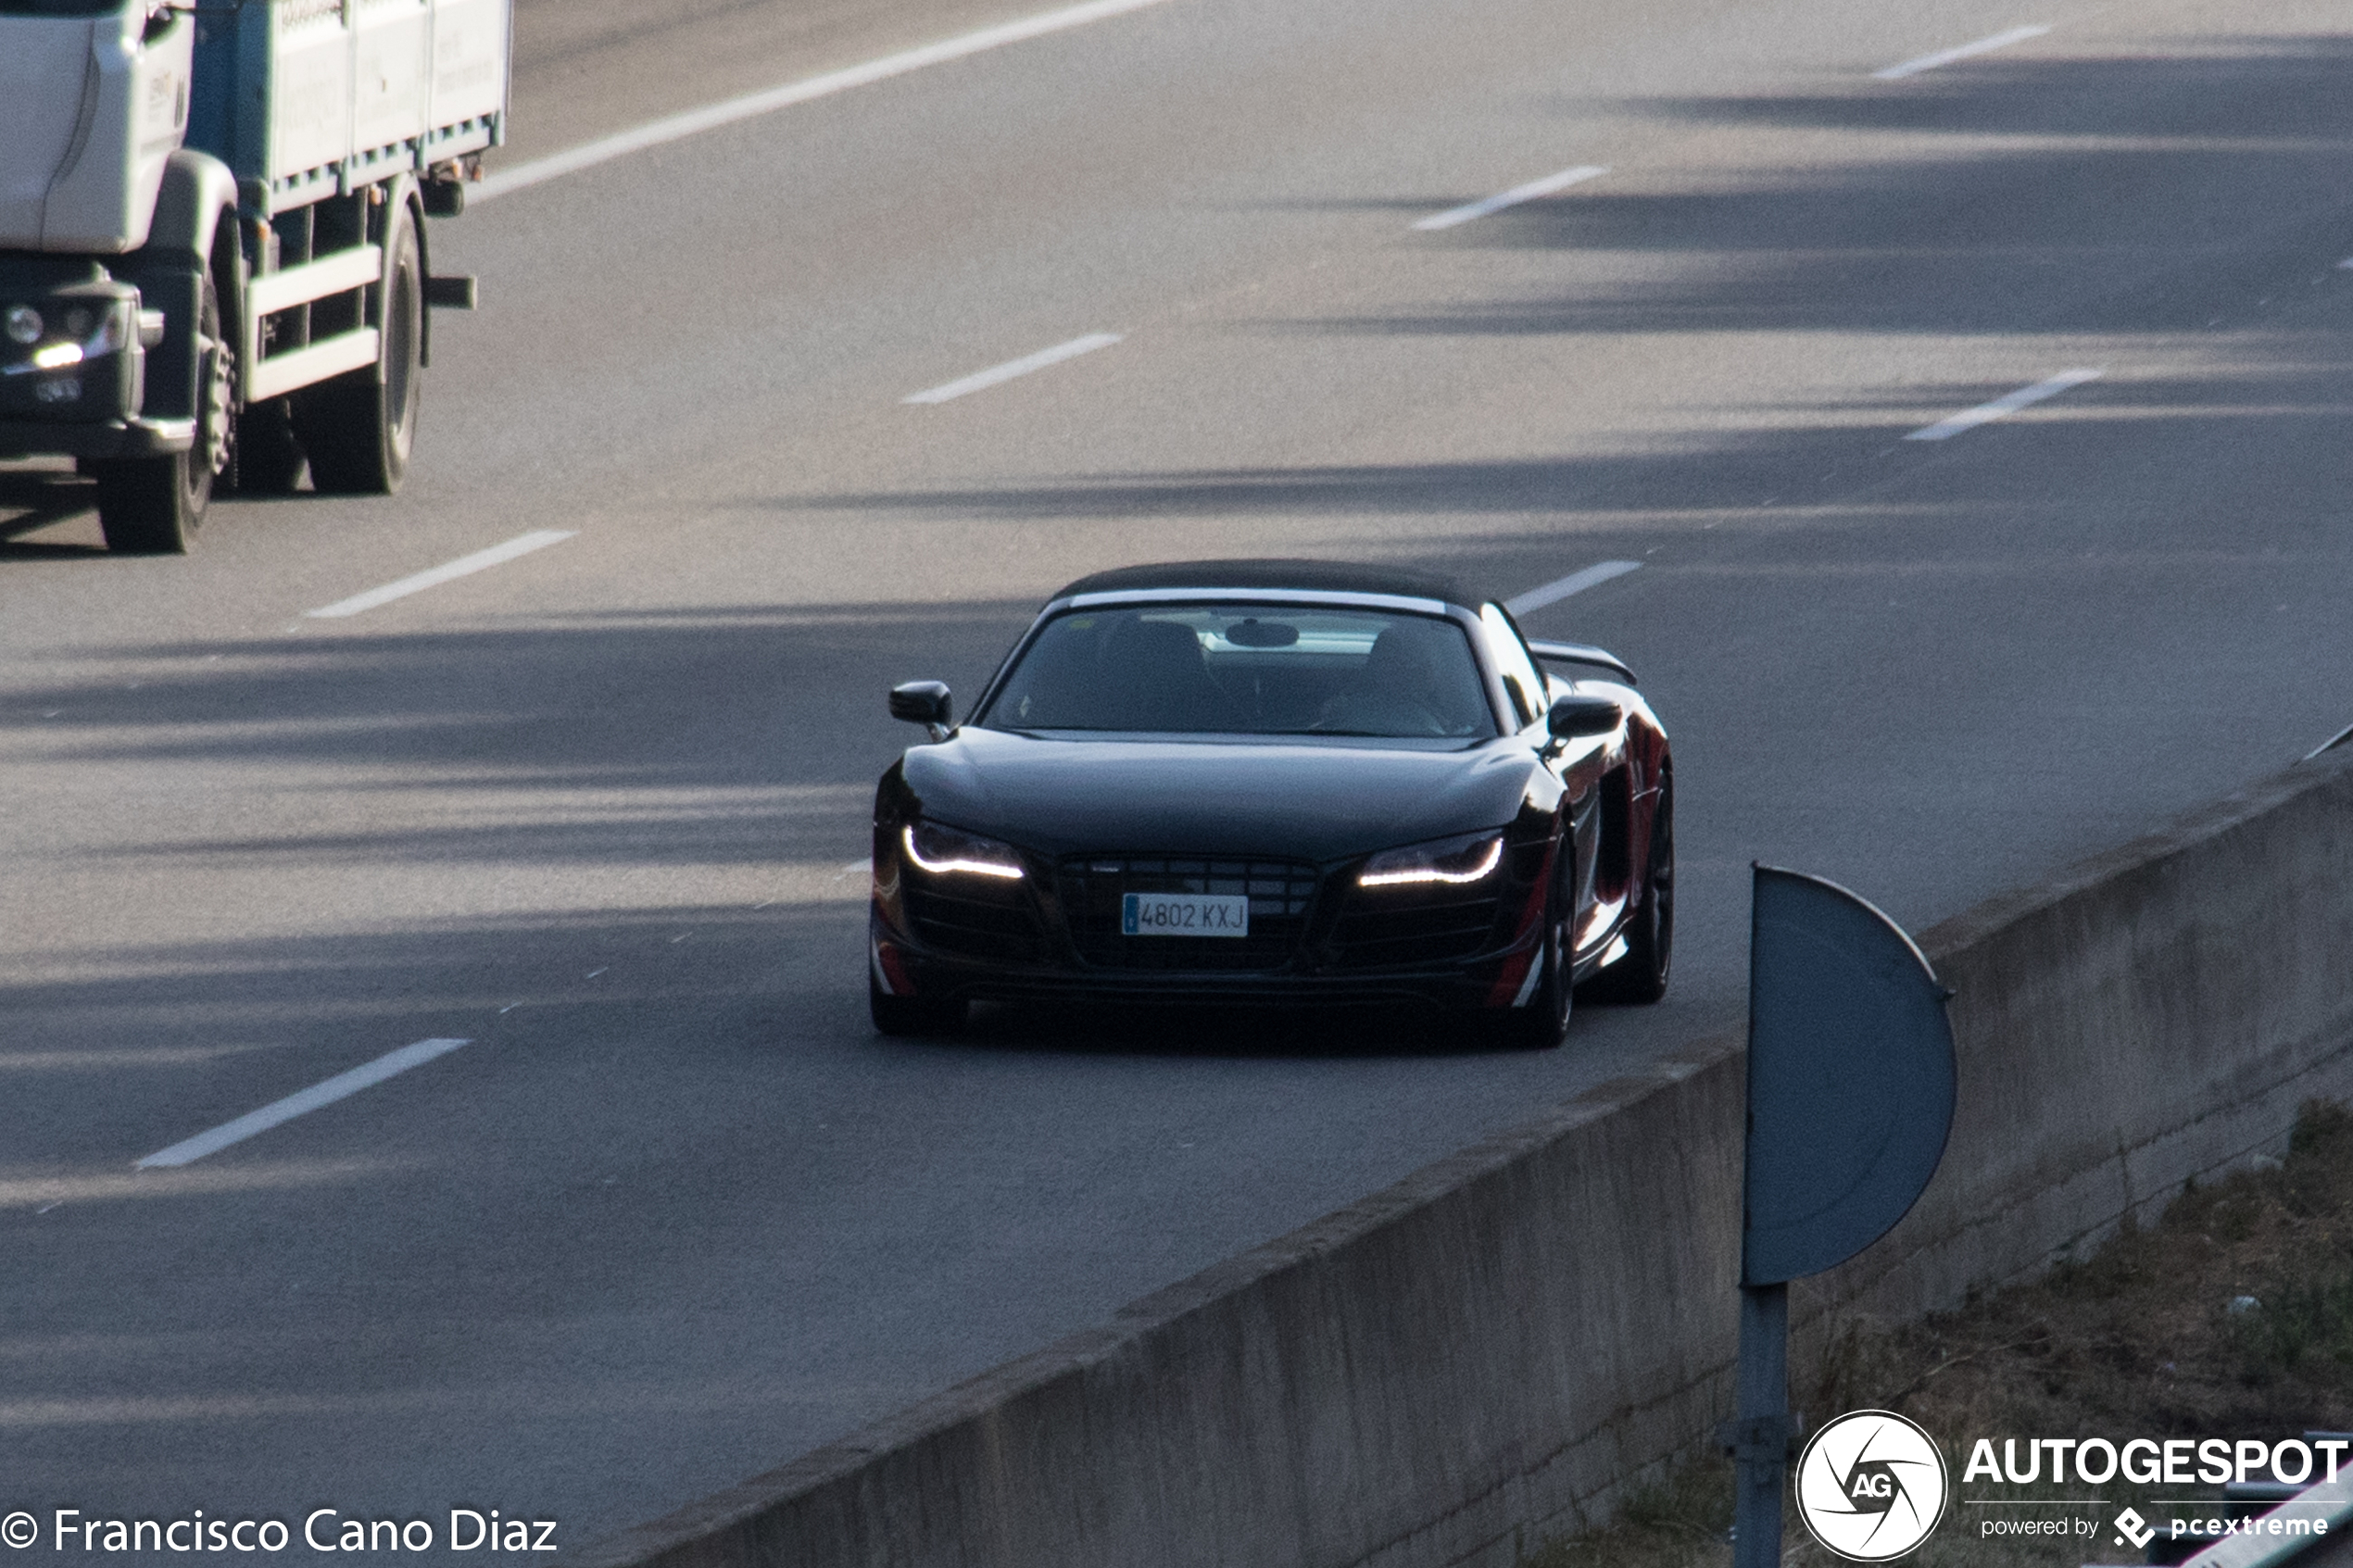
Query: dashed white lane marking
[[1575, 582], [982, 380], [2009, 402], [2347, 264], [1513, 198], [464, 566], [188, 1150], [1962, 52], [693, 122]]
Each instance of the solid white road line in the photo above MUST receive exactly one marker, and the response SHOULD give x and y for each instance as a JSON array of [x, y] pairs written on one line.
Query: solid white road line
[[464, 566], [1946, 56], [1513, 198], [981, 380], [693, 122], [1575, 582], [189, 1151], [1985, 413]]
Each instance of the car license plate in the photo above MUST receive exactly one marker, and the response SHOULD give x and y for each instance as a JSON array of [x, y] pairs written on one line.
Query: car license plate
[[1184, 914]]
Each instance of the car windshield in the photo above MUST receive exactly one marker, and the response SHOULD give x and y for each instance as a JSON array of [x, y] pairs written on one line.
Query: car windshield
[[1242, 669]]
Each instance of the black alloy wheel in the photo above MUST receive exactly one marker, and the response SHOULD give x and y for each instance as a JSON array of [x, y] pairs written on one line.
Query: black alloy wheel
[[1543, 1023], [1641, 977]]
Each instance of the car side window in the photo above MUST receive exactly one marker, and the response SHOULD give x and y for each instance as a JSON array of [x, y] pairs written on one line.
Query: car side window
[[1520, 676]]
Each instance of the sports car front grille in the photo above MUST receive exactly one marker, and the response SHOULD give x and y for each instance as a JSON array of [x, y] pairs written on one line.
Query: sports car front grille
[[1379, 928], [979, 917], [1094, 888]]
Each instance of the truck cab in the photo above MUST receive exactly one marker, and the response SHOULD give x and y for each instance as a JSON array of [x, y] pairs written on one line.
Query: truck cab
[[213, 238]]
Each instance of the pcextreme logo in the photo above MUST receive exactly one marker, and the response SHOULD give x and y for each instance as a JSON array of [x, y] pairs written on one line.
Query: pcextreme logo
[[1871, 1486]]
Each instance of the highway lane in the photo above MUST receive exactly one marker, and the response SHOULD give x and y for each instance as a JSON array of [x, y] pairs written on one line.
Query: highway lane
[[673, 1216]]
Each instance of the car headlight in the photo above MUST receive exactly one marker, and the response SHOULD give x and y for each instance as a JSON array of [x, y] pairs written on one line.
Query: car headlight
[[1472, 856], [24, 325], [946, 851]]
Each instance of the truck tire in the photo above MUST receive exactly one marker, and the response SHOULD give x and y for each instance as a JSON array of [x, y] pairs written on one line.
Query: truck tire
[[153, 506], [358, 429]]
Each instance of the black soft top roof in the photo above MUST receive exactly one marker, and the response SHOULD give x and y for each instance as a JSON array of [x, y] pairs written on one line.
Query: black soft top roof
[[1308, 576]]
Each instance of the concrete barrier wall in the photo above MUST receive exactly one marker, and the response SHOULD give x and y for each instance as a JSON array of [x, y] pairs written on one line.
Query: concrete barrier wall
[[2148, 1015], [1508, 1339]]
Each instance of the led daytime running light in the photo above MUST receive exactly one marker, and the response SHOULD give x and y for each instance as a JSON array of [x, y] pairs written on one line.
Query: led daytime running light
[[939, 867], [1427, 872]]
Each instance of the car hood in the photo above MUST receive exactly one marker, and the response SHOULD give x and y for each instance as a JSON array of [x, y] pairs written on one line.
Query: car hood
[[1298, 799]]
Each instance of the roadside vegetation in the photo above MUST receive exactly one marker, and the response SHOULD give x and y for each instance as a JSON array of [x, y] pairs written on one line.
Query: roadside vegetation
[[2232, 1316]]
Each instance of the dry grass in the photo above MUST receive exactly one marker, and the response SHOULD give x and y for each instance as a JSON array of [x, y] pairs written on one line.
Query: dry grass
[[2139, 1341]]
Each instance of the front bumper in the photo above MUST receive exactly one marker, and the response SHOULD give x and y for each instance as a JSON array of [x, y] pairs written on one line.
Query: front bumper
[[109, 438], [88, 405], [1314, 939], [901, 966]]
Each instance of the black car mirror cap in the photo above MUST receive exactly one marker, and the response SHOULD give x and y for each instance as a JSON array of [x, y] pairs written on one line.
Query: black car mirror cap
[[923, 702], [1574, 716]]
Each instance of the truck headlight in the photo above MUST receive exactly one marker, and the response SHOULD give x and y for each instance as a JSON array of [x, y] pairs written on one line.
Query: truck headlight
[[90, 332], [89, 335]]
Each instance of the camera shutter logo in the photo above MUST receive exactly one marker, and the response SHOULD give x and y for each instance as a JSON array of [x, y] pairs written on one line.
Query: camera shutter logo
[[1871, 1486]]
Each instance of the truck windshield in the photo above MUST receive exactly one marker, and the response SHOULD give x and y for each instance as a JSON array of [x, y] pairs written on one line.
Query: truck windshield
[[61, 7], [1241, 668]]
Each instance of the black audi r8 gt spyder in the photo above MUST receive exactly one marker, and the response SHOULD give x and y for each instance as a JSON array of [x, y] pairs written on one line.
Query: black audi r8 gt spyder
[[1277, 782]]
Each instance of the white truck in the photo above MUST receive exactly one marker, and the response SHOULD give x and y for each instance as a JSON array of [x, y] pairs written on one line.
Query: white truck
[[213, 252]]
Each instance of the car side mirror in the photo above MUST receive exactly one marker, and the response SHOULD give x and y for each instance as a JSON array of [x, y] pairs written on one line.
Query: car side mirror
[[923, 702], [1574, 716]]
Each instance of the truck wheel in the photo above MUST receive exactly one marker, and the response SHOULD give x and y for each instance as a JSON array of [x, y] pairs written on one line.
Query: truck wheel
[[359, 428], [153, 506]]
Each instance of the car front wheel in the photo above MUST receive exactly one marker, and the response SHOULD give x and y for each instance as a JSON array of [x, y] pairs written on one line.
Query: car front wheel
[[1542, 1022]]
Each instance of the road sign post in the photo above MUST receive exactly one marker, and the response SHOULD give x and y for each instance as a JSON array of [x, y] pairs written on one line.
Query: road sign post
[[1850, 1101]]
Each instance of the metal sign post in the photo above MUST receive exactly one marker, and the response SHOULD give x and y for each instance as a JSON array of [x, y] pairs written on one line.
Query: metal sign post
[[1850, 1099]]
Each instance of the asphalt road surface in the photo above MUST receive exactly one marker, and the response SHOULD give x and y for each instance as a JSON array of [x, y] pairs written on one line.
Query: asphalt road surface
[[674, 1215]]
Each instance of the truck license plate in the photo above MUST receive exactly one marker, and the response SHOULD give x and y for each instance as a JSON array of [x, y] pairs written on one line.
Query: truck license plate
[[1184, 914]]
